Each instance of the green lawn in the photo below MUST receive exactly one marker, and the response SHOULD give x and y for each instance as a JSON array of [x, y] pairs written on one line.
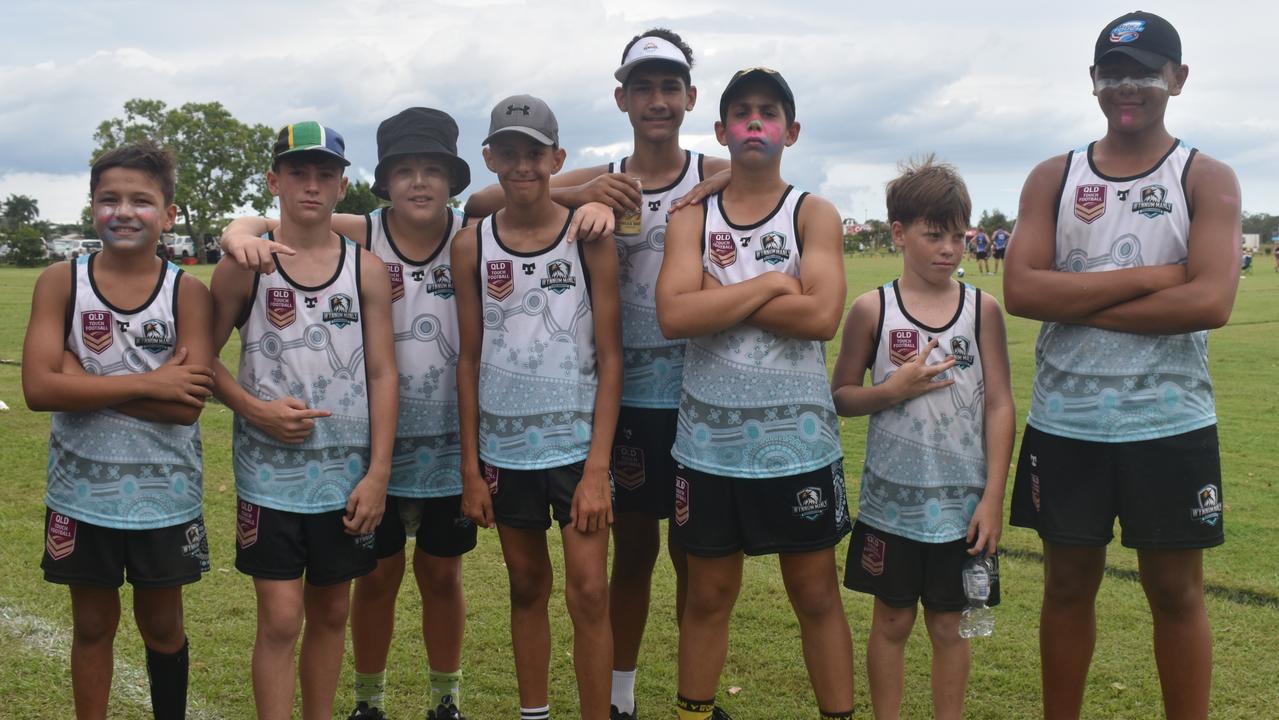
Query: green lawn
[[764, 658]]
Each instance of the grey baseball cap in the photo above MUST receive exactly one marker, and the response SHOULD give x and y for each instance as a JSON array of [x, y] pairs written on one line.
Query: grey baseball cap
[[524, 114]]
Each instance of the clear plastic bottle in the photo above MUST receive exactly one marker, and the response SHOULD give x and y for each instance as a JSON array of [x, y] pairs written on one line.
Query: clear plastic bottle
[[980, 574]]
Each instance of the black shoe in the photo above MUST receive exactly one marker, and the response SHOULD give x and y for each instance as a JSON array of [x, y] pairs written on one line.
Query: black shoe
[[362, 711], [445, 712], [720, 714], [615, 714]]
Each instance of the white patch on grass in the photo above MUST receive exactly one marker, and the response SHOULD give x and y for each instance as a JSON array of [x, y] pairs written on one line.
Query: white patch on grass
[[128, 683]]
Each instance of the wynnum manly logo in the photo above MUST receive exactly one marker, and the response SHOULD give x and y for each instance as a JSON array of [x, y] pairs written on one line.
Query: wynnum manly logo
[[441, 284], [772, 248], [341, 311], [1090, 202], [1152, 203], [281, 307], [961, 350], [559, 276], [95, 330], [1209, 510], [722, 249], [396, 272], [810, 504], [156, 337]]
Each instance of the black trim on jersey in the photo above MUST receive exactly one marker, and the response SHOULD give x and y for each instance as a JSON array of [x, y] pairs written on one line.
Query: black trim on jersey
[[688, 161], [937, 330], [706, 209], [368, 230], [879, 329], [1176, 143], [386, 229], [159, 283], [479, 255], [799, 241], [977, 322], [248, 306], [1185, 176], [701, 167], [177, 289], [610, 167], [359, 289], [724, 214], [1061, 191], [342, 240], [586, 274], [68, 318], [536, 253]]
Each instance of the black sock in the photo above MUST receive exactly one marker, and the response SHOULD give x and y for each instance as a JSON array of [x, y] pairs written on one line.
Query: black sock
[[168, 675]]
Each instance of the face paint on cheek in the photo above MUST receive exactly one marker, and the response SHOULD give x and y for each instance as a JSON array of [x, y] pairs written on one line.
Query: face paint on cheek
[[1151, 81], [118, 232], [767, 135]]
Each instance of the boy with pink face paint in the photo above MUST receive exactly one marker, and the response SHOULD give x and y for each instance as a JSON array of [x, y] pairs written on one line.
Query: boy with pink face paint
[[1127, 249], [756, 283], [126, 387]]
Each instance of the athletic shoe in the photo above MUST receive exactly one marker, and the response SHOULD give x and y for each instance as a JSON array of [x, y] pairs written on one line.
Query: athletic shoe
[[615, 714], [362, 711], [720, 713], [443, 712]]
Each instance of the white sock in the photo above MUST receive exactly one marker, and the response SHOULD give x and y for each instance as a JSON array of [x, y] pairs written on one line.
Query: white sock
[[542, 713], [624, 690]]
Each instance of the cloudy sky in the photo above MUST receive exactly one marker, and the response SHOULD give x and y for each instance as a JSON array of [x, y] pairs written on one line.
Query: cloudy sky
[[993, 87]]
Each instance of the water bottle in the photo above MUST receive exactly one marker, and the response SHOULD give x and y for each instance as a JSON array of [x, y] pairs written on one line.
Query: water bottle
[[980, 574]]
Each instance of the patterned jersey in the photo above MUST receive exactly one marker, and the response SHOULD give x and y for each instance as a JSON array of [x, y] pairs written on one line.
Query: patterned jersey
[[653, 366], [925, 467], [426, 461], [537, 364], [1000, 240], [105, 467], [305, 342], [755, 404], [1093, 384]]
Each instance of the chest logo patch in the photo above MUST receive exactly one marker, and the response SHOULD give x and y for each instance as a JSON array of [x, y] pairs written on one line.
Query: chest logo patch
[[961, 350], [500, 279], [341, 311], [441, 284], [95, 330], [281, 307], [772, 248], [396, 273], [903, 345], [1090, 202], [723, 251], [1153, 202], [156, 337], [559, 276]]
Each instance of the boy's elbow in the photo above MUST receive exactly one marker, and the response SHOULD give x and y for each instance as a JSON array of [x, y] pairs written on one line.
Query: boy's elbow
[[670, 326]]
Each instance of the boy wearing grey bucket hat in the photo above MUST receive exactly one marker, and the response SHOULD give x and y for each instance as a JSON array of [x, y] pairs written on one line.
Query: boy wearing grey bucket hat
[[418, 170]]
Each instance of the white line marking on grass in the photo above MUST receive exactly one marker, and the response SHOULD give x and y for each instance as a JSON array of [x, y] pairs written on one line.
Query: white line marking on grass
[[128, 683]]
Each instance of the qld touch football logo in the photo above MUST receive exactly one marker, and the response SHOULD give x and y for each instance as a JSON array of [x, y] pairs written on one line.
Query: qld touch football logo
[[903, 345], [396, 272], [59, 542], [681, 500], [95, 330], [500, 279], [722, 249], [873, 555], [1090, 202], [628, 466], [281, 307]]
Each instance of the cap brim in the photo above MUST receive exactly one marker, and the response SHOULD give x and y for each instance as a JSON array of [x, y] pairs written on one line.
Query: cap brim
[[316, 151], [1152, 60], [625, 70], [461, 171], [536, 135]]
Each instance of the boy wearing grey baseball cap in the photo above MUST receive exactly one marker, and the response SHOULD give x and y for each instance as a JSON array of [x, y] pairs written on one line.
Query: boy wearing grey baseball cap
[[1126, 248], [539, 382]]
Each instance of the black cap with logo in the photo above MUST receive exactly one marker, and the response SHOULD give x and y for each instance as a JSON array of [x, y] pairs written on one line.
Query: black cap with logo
[[741, 76], [1142, 36]]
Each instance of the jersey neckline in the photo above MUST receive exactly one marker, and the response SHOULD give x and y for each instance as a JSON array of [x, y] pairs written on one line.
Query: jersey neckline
[[337, 272], [155, 292], [1092, 165], [723, 213], [688, 162], [386, 230], [959, 310], [558, 238]]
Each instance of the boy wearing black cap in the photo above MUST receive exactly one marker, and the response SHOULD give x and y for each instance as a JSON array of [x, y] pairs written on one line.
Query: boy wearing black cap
[[418, 171], [539, 381], [656, 92], [756, 284], [315, 408], [1127, 250]]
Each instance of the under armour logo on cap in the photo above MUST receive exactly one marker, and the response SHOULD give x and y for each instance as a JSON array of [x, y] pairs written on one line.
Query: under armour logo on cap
[[511, 109], [526, 115]]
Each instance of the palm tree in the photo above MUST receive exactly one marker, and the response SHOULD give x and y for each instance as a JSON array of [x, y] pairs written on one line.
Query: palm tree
[[20, 210]]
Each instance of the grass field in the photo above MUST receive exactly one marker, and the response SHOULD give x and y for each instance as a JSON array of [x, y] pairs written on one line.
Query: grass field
[[764, 663]]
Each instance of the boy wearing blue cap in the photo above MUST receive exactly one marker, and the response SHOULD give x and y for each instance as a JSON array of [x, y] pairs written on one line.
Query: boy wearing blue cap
[[315, 407], [418, 171], [1127, 249]]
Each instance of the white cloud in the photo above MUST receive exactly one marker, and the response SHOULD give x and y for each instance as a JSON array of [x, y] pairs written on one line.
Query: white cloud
[[60, 197]]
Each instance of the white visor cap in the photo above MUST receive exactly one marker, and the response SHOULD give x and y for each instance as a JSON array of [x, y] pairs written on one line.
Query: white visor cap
[[648, 48]]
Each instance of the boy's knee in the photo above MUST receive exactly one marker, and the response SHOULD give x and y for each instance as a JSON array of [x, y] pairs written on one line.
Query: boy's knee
[[280, 624], [1069, 592], [710, 598], [587, 599], [529, 590], [439, 577], [95, 629], [816, 602], [943, 628], [1176, 597], [893, 624]]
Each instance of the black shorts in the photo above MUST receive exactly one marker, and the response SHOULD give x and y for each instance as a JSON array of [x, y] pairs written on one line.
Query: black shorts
[[981, 254], [1166, 492], [999, 253], [280, 545], [902, 572], [643, 469], [80, 553], [438, 524], [527, 499], [717, 516]]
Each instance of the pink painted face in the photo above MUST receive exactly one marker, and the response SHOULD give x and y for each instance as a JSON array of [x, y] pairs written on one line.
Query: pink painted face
[[128, 209], [755, 123]]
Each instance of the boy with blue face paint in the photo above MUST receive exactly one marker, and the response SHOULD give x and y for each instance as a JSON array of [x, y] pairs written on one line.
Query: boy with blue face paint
[[1127, 250], [125, 465]]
